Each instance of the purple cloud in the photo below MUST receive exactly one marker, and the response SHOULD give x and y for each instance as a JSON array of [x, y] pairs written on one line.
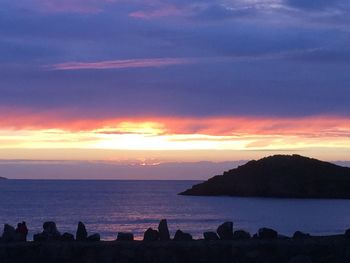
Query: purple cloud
[[69, 6], [124, 63], [239, 57]]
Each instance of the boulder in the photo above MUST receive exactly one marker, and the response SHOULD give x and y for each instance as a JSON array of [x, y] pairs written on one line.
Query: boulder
[[66, 237], [300, 235], [181, 236], [241, 234], [347, 234], [267, 233], [94, 237], [81, 234], [9, 234], [151, 235], [50, 233], [22, 231], [50, 230], [210, 236], [163, 230], [225, 231], [122, 236]]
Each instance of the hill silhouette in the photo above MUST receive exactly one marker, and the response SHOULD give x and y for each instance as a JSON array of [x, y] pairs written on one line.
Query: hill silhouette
[[292, 176]]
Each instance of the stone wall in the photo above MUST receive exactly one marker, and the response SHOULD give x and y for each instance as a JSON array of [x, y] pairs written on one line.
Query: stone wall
[[315, 249]]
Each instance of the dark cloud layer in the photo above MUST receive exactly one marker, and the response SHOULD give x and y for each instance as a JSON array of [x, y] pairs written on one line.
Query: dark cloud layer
[[276, 58]]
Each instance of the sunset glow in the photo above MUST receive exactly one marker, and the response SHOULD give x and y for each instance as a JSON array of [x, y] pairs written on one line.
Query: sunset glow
[[170, 134], [150, 82]]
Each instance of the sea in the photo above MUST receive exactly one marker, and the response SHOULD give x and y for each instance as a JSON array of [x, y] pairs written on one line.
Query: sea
[[108, 207]]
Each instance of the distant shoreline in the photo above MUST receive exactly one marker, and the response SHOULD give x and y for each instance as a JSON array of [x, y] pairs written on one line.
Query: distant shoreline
[[102, 179]]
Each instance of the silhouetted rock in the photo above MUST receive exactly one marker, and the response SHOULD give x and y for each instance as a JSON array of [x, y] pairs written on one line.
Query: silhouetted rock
[[163, 230], [9, 234], [51, 230], [347, 234], [241, 234], [66, 237], [225, 231], [210, 236], [50, 233], [125, 236], [81, 234], [181, 236], [94, 237], [267, 233], [300, 259], [300, 235], [280, 176], [22, 231], [151, 235]]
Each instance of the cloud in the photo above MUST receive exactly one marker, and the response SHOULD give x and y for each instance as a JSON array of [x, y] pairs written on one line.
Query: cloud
[[121, 64], [163, 10], [324, 55], [55, 122], [313, 4], [269, 58], [64, 6]]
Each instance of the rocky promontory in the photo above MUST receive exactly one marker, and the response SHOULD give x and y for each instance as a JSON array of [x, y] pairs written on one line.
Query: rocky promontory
[[288, 176]]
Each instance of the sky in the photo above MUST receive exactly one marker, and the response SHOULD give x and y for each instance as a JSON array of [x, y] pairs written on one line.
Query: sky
[[151, 82]]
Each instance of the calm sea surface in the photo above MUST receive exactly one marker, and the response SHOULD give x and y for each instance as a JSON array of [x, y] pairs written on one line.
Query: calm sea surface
[[107, 207]]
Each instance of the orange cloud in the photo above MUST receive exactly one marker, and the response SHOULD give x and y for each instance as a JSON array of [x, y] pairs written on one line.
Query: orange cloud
[[310, 127]]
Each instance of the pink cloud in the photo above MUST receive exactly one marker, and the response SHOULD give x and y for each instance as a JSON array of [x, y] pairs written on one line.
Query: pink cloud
[[120, 64], [312, 127], [75, 6], [164, 11]]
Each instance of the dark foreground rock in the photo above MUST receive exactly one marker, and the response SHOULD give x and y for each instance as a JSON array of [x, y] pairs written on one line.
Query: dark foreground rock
[[311, 250], [182, 236], [225, 231], [300, 235], [292, 176], [81, 234], [151, 235], [50, 233], [347, 234], [267, 233], [9, 234], [163, 230], [241, 234]]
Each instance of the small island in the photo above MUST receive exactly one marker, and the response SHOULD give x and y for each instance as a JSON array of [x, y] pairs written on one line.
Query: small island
[[284, 176]]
